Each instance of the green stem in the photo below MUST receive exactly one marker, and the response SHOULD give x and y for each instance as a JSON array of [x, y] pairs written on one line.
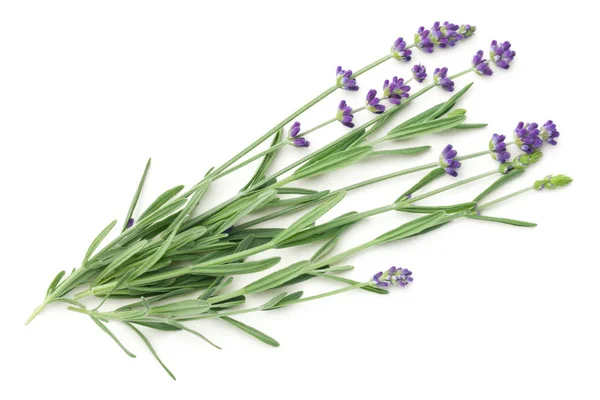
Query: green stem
[[501, 199], [466, 71], [371, 66], [452, 186]]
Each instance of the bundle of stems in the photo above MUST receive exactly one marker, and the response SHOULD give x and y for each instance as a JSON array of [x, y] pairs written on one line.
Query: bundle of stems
[[174, 264]]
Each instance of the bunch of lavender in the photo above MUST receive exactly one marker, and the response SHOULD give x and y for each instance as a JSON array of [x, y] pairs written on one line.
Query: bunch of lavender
[[176, 267]]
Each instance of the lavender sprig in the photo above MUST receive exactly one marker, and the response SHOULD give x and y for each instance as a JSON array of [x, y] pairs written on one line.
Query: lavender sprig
[[441, 79], [344, 114], [501, 54], [392, 277], [344, 80], [527, 137], [372, 102], [498, 148], [399, 50], [395, 90], [447, 161]]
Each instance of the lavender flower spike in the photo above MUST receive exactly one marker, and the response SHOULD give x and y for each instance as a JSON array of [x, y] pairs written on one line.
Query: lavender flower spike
[[498, 148], [372, 103], [501, 55], [344, 114], [422, 40], [527, 137], [399, 50], [298, 141], [294, 129], [448, 162], [444, 35], [440, 79], [549, 133], [419, 72], [392, 277], [481, 65], [343, 80], [396, 90]]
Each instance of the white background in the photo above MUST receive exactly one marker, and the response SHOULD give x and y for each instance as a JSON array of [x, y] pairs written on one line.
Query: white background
[[89, 90]]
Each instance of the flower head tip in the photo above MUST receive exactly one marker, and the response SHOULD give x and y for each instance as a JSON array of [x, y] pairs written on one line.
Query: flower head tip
[[501, 54], [448, 162], [372, 102], [344, 81], [392, 277], [419, 72], [344, 114], [395, 90], [441, 79]]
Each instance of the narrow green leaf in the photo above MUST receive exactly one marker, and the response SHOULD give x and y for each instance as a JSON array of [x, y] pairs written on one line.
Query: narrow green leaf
[[176, 292], [157, 325], [276, 278], [401, 152], [412, 227], [252, 331], [449, 103], [193, 332], [498, 183], [325, 249], [136, 196], [238, 268], [55, 282], [323, 231], [277, 202], [290, 298], [96, 242], [120, 283], [427, 179], [336, 146], [121, 259], [421, 116], [147, 343], [181, 308], [309, 218], [508, 221], [470, 126], [226, 304], [112, 335], [335, 161], [292, 190], [160, 213], [265, 163], [258, 233], [161, 200], [273, 302], [350, 282], [258, 202], [426, 128], [431, 209]]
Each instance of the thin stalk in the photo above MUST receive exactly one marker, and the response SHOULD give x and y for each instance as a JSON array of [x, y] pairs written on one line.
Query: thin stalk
[[466, 71], [452, 186], [504, 198]]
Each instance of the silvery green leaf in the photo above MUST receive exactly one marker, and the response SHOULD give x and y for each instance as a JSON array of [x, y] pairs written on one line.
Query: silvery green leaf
[[336, 146], [309, 218], [426, 128], [120, 260], [498, 183], [263, 337], [97, 240], [259, 201], [273, 301], [277, 202], [159, 214], [277, 278], [421, 116], [470, 126], [265, 163], [323, 231], [193, 332], [238, 268], [136, 196], [112, 335], [285, 300], [161, 200], [508, 221], [157, 325], [449, 103], [293, 190], [181, 308], [412, 227], [258, 233], [55, 282], [332, 162], [238, 206], [231, 303], [350, 282], [147, 343], [427, 179], [401, 152], [325, 249], [431, 209]]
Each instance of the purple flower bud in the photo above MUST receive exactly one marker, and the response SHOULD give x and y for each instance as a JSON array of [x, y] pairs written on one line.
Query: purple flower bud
[[392, 277], [343, 80], [395, 90], [441, 80], [481, 65], [501, 55], [399, 50], [527, 137], [467, 30], [372, 102], [295, 129], [549, 133], [422, 40], [444, 35], [419, 72], [129, 223], [301, 142], [344, 114], [448, 162], [498, 148]]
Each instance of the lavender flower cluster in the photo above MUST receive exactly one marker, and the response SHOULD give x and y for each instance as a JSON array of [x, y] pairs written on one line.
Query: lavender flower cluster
[[392, 277], [441, 35]]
